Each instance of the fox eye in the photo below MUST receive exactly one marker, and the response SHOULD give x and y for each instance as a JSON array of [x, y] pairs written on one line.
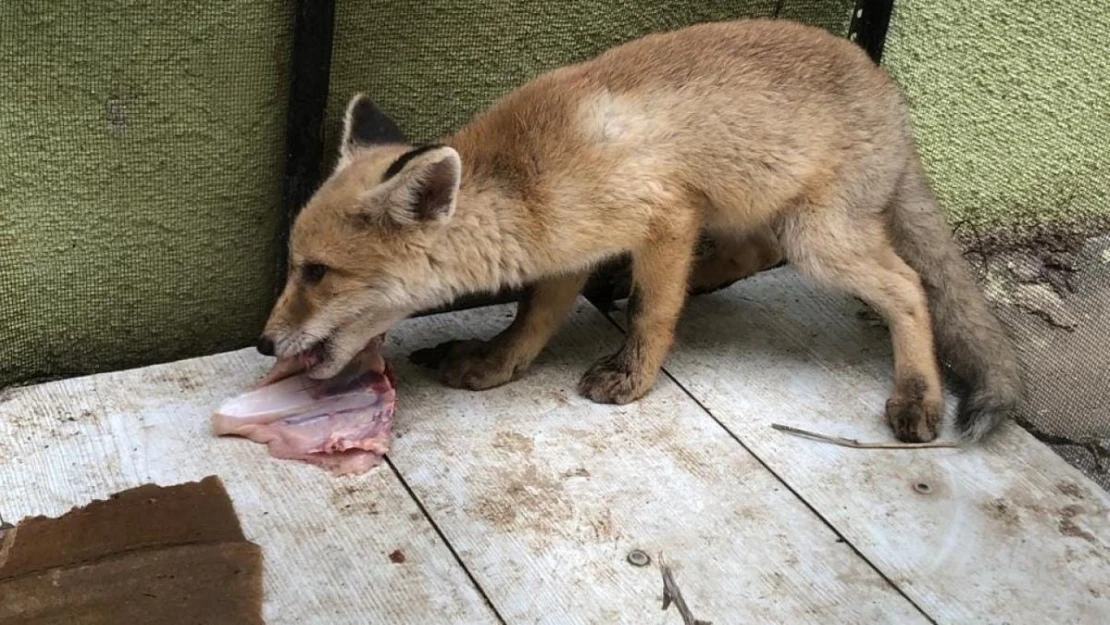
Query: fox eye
[[313, 273]]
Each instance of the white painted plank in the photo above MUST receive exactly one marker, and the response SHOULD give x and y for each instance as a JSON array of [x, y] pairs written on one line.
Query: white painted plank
[[325, 540], [543, 494], [1009, 532]]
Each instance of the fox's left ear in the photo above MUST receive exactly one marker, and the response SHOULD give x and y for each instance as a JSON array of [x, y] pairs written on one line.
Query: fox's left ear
[[364, 125], [420, 187]]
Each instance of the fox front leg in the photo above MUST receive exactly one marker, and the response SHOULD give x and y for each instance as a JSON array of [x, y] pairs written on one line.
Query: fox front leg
[[660, 269], [479, 365]]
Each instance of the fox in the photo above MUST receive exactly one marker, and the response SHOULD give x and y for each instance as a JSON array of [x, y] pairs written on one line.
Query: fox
[[774, 141]]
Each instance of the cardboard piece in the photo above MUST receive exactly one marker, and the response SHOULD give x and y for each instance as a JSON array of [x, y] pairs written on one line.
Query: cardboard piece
[[150, 554]]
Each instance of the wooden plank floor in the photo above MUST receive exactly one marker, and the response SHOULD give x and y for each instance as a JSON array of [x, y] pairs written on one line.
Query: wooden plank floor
[[520, 504], [543, 494]]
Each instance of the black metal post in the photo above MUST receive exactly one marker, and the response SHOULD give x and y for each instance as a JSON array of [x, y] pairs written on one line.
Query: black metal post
[[310, 71], [870, 21]]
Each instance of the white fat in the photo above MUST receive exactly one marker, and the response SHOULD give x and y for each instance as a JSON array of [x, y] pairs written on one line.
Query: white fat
[[287, 399]]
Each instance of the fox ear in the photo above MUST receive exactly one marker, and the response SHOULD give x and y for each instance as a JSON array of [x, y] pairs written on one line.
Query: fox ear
[[421, 186], [364, 124]]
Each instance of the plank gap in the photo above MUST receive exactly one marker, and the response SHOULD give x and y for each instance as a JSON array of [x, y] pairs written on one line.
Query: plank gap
[[446, 542]]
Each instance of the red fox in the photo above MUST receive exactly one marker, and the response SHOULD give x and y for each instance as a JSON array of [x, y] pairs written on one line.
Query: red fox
[[766, 136]]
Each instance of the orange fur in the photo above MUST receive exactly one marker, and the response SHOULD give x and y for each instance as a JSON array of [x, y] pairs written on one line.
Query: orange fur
[[773, 139]]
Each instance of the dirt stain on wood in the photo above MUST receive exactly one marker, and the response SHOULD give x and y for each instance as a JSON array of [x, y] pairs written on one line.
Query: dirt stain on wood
[[1068, 526], [351, 500], [513, 442], [1001, 510]]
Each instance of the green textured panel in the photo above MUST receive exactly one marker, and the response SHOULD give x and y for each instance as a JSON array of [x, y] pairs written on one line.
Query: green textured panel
[[434, 64], [140, 175], [1010, 104]]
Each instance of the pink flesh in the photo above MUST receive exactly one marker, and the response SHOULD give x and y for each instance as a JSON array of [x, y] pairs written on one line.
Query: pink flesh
[[346, 429]]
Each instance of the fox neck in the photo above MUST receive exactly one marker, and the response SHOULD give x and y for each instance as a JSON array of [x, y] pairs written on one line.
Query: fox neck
[[509, 231], [488, 245]]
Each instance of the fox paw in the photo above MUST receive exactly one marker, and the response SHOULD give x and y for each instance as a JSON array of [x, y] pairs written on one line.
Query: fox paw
[[912, 414], [473, 365], [611, 381]]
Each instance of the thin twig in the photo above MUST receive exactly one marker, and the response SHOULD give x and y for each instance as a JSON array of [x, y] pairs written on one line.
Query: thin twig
[[671, 593], [855, 444]]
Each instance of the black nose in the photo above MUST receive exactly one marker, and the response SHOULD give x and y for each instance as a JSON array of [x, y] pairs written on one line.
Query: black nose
[[265, 346]]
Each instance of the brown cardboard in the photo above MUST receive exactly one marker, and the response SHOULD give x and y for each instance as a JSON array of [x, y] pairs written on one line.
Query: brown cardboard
[[147, 555]]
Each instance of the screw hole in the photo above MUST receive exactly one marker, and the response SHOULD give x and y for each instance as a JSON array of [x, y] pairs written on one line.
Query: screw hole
[[922, 488], [638, 558]]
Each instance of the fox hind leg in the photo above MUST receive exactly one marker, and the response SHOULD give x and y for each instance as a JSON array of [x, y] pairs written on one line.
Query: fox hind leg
[[727, 259], [856, 255]]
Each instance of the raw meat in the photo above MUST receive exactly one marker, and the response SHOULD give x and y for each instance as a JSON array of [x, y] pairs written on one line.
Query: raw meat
[[343, 424]]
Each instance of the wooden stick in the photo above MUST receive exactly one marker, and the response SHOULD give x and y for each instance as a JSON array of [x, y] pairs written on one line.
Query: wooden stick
[[671, 593], [855, 444]]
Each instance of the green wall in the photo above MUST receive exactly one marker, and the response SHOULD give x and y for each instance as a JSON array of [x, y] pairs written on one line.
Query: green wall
[[438, 62], [1011, 104], [140, 178]]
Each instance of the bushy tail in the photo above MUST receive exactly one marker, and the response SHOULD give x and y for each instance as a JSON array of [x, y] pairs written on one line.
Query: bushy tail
[[969, 338]]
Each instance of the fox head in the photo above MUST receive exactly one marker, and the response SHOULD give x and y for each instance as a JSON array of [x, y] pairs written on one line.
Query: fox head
[[359, 249]]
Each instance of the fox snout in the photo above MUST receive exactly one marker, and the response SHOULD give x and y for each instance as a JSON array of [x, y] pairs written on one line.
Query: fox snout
[[322, 332], [292, 310], [265, 345], [274, 334]]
